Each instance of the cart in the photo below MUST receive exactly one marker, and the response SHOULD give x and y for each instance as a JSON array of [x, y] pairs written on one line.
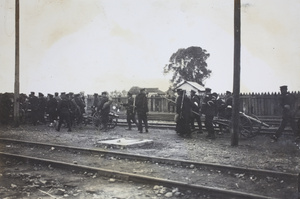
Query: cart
[[250, 126]]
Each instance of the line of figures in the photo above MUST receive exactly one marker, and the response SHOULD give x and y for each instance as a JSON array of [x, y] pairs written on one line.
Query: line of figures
[[65, 108], [190, 108]]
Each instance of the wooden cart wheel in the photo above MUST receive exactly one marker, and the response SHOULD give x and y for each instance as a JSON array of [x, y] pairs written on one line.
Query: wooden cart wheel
[[246, 127], [96, 120], [256, 126]]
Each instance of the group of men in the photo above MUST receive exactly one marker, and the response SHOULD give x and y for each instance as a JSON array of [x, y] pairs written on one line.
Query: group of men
[[66, 107], [289, 111], [102, 105], [191, 108], [139, 106]]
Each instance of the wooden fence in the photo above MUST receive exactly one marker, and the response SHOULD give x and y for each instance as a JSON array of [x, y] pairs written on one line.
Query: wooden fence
[[260, 104]]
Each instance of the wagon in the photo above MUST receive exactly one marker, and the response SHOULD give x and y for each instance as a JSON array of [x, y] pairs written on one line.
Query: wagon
[[250, 126]]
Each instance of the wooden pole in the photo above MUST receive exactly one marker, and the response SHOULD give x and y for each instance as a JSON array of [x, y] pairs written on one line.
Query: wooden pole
[[236, 75], [17, 61]]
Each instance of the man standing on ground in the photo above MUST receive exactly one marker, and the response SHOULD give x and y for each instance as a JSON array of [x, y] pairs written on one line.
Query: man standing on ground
[[287, 103], [130, 110], [209, 110], [52, 109], [183, 111], [63, 110], [142, 110], [34, 107], [196, 115]]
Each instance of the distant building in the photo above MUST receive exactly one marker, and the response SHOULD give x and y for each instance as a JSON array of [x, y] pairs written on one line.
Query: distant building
[[188, 86], [154, 92]]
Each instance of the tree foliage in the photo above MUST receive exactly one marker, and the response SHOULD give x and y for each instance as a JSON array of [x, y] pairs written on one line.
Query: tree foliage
[[188, 64]]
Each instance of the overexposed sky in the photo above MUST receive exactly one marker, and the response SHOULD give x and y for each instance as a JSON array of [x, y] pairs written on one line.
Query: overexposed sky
[[97, 45]]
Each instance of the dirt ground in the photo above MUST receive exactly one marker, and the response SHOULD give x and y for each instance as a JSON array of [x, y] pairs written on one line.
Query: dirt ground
[[258, 152]]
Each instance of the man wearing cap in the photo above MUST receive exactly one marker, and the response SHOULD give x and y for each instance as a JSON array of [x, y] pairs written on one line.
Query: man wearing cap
[[52, 109], [183, 111], [57, 97], [209, 110], [42, 108], [130, 110], [34, 106], [104, 99], [95, 103], [142, 110], [287, 103], [63, 110], [196, 115], [80, 110]]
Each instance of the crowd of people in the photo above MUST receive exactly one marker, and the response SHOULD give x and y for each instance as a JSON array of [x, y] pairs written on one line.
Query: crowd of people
[[190, 109], [139, 106], [68, 109], [65, 108]]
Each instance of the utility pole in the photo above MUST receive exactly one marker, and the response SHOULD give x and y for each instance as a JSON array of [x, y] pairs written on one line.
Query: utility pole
[[236, 75], [17, 63]]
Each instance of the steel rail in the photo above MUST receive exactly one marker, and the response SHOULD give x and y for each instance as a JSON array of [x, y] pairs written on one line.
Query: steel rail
[[263, 130], [140, 178], [178, 162]]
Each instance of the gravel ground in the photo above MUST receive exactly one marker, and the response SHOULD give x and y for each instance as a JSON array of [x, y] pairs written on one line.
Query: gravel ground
[[258, 152]]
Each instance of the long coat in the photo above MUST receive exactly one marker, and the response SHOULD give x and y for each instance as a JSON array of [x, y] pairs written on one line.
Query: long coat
[[141, 103], [183, 109]]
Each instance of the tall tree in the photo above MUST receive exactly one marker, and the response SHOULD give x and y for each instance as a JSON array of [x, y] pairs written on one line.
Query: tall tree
[[188, 64]]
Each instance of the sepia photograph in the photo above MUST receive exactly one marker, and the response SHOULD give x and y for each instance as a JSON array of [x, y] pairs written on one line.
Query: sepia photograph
[[149, 99]]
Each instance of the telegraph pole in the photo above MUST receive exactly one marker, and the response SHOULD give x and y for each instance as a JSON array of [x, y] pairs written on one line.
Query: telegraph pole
[[17, 63], [236, 75]]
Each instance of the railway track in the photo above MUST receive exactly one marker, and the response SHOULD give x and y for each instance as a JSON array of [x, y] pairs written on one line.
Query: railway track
[[170, 125], [196, 176]]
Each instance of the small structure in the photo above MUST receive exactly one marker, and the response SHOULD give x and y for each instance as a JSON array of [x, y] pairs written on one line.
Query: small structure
[[124, 143], [188, 86], [154, 92]]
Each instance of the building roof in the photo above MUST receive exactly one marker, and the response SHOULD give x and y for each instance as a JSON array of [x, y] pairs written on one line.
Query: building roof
[[155, 90], [195, 85]]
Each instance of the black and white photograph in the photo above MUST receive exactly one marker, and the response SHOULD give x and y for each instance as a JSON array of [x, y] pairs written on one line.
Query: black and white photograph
[[149, 99]]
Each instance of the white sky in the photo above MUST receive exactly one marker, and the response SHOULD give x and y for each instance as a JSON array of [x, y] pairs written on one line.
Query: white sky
[[97, 45]]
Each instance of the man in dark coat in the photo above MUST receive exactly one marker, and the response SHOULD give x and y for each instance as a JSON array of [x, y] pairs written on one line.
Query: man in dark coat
[[42, 108], [95, 103], [6, 106], [287, 103], [209, 110], [80, 110], [130, 110], [33, 106], [63, 109], [196, 115], [183, 111], [141, 103], [52, 109]]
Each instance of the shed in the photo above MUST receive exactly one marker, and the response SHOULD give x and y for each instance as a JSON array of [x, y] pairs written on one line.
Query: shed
[[188, 86]]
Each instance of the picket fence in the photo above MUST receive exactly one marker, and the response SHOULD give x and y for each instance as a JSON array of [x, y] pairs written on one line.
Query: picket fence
[[260, 104]]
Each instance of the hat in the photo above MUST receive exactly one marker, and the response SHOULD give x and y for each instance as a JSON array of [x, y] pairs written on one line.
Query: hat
[[104, 93], [95, 94], [41, 94], [32, 93], [283, 87], [56, 93], [207, 90], [214, 94], [50, 94], [228, 92], [63, 93]]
